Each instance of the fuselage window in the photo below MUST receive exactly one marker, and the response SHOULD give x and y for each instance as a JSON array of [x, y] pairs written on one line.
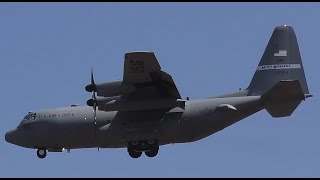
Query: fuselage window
[[28, 117]]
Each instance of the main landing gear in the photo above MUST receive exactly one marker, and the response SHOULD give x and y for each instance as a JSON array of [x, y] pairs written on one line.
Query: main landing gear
[[149, 147]]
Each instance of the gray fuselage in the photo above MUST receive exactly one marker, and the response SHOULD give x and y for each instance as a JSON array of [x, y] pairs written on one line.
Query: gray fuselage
[[74, 127]]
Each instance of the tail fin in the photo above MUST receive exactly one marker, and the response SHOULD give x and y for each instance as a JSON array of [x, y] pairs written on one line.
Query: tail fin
[[279, 77]]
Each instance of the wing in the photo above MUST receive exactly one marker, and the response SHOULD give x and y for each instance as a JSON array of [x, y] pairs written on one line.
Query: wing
[[142, 71], [145, 87]]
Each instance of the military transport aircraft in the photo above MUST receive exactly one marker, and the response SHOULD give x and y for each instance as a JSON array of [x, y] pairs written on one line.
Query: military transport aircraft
[[145, 110]]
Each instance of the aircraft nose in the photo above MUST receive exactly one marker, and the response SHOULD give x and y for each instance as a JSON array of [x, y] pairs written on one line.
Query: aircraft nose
[[10, 136]]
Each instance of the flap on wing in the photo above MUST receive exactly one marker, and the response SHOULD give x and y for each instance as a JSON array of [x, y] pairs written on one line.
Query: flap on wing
[[165, 83]]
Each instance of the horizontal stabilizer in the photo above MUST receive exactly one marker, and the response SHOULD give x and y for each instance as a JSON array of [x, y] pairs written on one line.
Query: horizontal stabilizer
[[283, 98]]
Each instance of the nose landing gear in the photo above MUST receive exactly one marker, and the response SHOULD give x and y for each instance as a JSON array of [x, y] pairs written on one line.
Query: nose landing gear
[[42, 153]]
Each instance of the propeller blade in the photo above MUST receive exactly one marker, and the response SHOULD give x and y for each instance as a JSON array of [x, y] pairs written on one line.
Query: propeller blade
[[95, 119], [91, 87], [95, 103], [92, 79]]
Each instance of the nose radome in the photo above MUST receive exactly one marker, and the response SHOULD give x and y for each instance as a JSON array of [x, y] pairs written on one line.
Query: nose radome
[[18, 137], [9, 136]]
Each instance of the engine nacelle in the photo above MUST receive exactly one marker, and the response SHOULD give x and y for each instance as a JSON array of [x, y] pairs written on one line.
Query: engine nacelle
[[109, 89], [101, 101]]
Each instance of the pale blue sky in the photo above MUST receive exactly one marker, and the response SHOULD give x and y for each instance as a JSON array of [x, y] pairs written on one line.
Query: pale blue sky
[[47, 50]]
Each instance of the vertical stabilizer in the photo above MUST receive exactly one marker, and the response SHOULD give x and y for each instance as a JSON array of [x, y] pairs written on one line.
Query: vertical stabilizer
[[281, 61], [279, 77]]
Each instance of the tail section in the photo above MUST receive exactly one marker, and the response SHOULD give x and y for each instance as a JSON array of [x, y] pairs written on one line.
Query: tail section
[[279, 77], [283, 98]]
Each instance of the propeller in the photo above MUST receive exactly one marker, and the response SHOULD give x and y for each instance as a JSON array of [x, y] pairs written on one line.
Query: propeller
[[93, 101], [91, 87]]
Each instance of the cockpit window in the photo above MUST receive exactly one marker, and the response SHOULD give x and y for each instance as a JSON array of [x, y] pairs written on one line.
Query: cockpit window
[[30, 116]]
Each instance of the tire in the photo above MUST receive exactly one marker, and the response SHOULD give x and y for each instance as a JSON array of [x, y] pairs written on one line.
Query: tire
[[152, 153], [151, 141], [41, 153], [134, 154]]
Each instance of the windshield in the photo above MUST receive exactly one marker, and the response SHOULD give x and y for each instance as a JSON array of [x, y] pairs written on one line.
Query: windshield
[[28, 117]]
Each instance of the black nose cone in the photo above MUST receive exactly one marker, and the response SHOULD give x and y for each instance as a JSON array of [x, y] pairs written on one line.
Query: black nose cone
[[10, 136]]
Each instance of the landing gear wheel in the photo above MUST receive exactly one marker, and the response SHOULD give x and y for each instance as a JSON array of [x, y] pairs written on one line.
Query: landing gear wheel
[[153, 152], [151, 141], [134, 143], [134, 154], [42, 153]]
